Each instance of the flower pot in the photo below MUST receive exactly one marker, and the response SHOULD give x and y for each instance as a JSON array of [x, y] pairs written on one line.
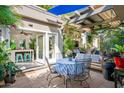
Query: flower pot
[[10, 79], [108, 69], [119, 62]]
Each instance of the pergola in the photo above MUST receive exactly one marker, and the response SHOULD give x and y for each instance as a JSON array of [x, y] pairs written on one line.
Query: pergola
[[100, 16], [95, 17]]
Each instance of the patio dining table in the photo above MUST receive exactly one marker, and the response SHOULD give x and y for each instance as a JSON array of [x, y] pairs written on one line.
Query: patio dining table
[[69, 67]]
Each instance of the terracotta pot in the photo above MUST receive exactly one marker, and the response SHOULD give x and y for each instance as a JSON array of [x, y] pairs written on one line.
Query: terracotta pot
[[119, 62]]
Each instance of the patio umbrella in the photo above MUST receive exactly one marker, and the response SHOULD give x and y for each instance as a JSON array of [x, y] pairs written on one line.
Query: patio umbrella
[[64, 9]]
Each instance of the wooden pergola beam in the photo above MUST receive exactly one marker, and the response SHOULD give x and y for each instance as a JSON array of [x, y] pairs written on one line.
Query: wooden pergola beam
[[91, 13]]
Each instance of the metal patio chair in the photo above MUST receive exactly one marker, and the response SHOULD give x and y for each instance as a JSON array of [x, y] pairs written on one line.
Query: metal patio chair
[[52, 72]]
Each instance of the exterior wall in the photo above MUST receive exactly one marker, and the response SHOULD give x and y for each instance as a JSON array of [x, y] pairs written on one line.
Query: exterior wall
[[37, 13], [34, 24], [46, 30], [39, 22]]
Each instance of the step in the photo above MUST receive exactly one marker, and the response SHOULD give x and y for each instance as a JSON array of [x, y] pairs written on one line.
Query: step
[[32, 69], [26, 67]]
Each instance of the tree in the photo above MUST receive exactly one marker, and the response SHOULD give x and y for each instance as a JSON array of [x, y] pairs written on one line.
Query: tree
[[7, 16]]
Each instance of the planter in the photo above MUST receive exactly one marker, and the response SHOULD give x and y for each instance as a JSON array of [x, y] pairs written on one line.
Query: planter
[[119, 62], [108, 69], [10, 79]]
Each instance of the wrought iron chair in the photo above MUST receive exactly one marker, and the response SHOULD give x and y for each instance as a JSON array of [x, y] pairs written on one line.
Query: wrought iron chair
[[52, 72]]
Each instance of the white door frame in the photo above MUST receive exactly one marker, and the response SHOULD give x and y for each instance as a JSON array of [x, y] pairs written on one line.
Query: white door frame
[[55, 45], [37, 48]]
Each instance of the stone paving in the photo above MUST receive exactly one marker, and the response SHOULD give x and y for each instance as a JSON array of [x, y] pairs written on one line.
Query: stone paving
[[37, 79]]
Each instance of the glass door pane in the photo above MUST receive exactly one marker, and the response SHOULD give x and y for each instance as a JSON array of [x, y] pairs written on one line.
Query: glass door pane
[[40, 47], [51, 47]]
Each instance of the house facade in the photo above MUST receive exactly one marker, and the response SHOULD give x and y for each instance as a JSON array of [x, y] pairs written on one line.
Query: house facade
[[38, 29]]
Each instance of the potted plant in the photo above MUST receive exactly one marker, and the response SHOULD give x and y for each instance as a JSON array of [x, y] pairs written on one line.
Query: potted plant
[[11, 70], [119, 60], [7, 68], [108, 69], [120, 49]]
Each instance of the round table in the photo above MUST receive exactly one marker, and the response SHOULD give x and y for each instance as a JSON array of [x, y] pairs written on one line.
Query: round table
[[66, 67]]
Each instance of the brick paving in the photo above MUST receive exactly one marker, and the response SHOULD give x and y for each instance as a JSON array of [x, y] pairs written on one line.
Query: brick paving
[[37, 79]]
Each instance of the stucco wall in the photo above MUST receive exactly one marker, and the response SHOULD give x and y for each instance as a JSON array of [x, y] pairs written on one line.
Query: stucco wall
[[36, 13], [34, 24], [38, 21]]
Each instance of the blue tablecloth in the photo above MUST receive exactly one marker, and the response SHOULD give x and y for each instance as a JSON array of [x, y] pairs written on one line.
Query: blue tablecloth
[[66, 67]]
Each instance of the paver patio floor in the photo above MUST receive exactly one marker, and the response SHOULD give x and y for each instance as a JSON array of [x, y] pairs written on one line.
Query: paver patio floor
[[37, 79]]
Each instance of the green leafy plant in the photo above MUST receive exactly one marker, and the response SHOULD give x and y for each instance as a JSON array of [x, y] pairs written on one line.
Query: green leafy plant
[[68, 44], [12, 45], [118, 48], [4, 52], [32, 43], [7, 17], [7, 67], [4, 57], [11, 70]]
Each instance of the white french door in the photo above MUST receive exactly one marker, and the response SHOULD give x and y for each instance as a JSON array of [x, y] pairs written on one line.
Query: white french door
[[52, 39], [40, 48]]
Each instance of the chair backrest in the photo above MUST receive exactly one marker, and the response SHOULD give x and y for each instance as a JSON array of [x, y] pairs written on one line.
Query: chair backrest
[[96, 58], [88, 65], [46, 59]]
